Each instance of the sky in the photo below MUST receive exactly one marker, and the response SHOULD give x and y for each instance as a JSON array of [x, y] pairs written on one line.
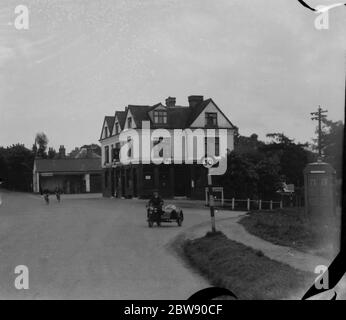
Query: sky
[[262, 61]]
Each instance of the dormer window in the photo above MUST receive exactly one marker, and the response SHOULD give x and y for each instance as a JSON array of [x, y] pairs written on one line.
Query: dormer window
[[160, 116], [117, 128], [129, 123], [211, 119], [106, 132]]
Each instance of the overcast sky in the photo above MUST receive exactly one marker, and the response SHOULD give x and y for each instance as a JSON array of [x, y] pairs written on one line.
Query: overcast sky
[[262, 61]]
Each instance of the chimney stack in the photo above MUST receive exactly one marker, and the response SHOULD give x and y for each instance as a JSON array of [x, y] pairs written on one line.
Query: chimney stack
[[195, 100], [170, 102], [62, 152]]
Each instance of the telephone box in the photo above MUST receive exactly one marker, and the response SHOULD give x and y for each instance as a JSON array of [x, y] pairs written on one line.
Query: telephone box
[[320, 192]]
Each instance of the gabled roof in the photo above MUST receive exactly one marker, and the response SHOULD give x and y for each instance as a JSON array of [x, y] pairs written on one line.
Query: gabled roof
[[197, 110], [68, 165], [121, 115], [139, 113], [178, 117], [109, 120]]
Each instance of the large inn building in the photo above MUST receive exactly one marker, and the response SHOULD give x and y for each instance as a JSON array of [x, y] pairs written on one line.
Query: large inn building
[[137, 177]]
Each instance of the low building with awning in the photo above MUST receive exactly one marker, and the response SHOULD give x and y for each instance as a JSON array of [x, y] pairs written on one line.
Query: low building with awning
[[70, 175]]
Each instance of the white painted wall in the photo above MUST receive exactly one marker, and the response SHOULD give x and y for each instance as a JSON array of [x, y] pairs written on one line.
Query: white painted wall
[[146, 142]]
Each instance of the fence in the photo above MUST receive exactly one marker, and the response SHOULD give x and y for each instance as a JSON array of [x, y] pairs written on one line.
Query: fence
[[246, 204]]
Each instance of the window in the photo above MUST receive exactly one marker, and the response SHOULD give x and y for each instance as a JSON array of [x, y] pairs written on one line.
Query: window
[[160, 116], [112, 153], [116, 151], [107, 154], [129, 151], [129, 122], [211, 119], [117, 128], [156, 142], [217, 146], [106, 132], [216, 150]]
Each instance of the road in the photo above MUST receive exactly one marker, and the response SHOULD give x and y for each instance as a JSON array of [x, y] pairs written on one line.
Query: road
[[91, 249]]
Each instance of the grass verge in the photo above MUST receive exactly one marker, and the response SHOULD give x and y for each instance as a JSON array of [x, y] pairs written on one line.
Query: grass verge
[[245, 271], [288, 227]]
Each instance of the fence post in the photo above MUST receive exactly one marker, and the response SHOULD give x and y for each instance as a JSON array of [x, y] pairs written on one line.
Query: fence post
[[232, 203], [281, 204], [260, 205], [248, 204], [271, 204]]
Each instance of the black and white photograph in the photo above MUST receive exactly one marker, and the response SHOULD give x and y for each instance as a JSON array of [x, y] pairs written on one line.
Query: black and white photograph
[[162, 150]]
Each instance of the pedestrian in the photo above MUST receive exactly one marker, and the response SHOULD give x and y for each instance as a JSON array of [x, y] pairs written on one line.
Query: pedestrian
[[46, 196], [58, 194]]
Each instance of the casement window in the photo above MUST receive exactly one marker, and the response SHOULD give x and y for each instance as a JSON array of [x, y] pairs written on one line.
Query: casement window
[[117, 128], [217, 146], [112, 152], [129, 122], [129, 151], [106, 154], [116, 152], [160, 116], [211, 119]]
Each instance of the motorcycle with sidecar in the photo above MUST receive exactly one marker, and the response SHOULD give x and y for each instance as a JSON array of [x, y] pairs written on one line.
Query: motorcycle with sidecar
[[168, 213]]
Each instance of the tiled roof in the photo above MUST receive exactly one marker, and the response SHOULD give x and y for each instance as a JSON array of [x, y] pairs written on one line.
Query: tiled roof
[[178, 117], [196, 110], [110, 122], [139, 113], [68, 165], [121, 115]]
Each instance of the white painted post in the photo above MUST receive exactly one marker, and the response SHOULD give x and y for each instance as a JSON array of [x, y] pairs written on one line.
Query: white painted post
[[271, 204], [206, 196], [248, 204], [222, 198], [87, 182], [260, 205], [233, 203]]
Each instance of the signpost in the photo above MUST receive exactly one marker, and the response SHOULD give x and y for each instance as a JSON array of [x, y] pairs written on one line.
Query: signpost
[[211, 203]]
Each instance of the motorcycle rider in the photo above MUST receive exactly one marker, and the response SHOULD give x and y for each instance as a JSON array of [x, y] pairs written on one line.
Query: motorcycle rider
[[156, 202]]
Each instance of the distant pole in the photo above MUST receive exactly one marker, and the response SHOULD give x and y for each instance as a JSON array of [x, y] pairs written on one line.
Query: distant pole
[[211, 203], [319, 116]]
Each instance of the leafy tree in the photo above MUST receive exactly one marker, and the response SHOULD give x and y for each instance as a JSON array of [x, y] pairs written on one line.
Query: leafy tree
[[332, 143], [42, 141], [240, 179], [293, 157], [18, 163]]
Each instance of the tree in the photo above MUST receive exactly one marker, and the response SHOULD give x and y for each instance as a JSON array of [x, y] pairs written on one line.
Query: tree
[[240, 179], [332, 143], [42, 141], [293, 157], [18, 163]]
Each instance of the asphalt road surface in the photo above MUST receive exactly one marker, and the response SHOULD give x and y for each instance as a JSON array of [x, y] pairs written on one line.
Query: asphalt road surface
[[91, 249]]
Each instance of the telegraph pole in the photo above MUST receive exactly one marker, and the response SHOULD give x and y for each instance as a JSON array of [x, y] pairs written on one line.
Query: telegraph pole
[[319, 116]]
